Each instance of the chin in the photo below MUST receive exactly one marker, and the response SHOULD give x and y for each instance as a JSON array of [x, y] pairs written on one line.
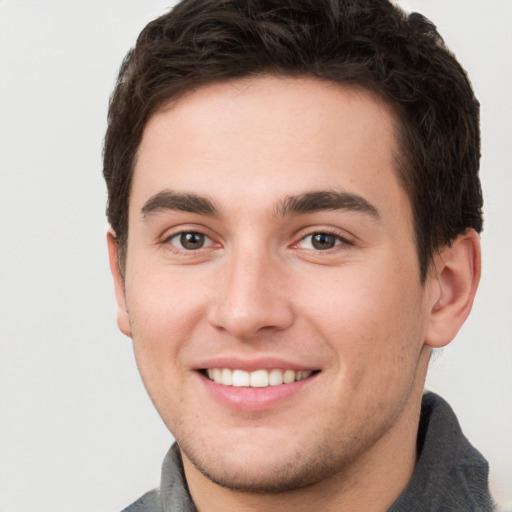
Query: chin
[[269, 472], [273, 478]]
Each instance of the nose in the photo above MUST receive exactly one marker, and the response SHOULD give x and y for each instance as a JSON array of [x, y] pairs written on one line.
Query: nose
[[251, 296]]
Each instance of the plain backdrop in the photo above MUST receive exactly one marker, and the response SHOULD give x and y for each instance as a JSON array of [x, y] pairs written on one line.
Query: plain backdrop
[[77, 431]]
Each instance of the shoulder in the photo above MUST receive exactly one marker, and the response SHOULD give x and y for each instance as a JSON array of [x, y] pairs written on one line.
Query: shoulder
[[150, 502], [450, 473], [173, 491]]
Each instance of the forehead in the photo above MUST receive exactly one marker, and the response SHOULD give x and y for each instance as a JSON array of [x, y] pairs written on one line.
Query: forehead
[[272, 134]]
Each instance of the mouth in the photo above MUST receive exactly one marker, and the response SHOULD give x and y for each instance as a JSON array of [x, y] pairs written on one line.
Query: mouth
[[256, 379]]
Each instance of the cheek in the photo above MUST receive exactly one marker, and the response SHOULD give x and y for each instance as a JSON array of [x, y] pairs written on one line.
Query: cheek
[[350, 301], [163, 304], [164, 314], [369, 319], [375, 338]]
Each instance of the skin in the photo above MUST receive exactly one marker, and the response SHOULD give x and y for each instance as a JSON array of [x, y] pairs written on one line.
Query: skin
[[258, 293]]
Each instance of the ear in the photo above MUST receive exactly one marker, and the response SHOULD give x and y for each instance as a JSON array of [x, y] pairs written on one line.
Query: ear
[[454, 275], [123, 318]]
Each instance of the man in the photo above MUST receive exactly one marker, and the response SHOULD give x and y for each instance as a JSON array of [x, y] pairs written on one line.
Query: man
[[295, 208]]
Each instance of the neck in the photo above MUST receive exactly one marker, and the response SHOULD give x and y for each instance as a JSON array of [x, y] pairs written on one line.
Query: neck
[[371, 483]]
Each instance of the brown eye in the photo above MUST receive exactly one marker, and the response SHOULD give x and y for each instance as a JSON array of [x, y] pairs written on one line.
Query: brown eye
[[323, 241], [190, 241]]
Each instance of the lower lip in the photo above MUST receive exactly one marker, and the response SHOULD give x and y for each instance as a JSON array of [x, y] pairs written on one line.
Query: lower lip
[[255, 399]]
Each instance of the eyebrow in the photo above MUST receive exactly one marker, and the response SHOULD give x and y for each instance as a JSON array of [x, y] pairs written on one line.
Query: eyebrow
[[310, 202], [175, 201], [301, 204]]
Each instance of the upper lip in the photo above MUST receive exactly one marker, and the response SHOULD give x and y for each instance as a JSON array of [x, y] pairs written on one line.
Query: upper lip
[[253, 364]]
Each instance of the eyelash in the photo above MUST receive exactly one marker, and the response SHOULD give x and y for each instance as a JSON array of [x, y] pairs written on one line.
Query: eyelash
[[339, 240], [209, 242], [183, 250]]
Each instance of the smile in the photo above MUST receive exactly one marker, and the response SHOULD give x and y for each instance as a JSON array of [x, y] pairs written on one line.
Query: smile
[[256, 379]]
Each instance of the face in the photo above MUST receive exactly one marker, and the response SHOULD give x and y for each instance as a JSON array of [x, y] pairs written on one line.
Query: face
[[272, 284]]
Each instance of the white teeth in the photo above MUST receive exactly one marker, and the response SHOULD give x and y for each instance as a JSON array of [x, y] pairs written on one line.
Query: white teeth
[[303, 374], [256, 379], [259, 379], [275, 377], [289, 376], [227, 377], [241, 378]]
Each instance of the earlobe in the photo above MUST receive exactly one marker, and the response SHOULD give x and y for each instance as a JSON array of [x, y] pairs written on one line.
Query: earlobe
[[123, 319], [454, 277]]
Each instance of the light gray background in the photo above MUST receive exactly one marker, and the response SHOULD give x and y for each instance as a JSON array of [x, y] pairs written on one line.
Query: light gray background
[[77, 431]]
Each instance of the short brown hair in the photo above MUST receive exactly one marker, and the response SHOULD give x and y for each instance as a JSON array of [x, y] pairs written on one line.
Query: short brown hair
[[365, 43]]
